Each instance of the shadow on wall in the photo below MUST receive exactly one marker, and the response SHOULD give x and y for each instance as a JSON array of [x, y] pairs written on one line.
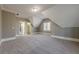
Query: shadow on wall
[[72, 32], [53, 26]]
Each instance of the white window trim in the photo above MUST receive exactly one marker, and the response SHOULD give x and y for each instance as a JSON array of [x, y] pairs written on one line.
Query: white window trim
[[47, 26]]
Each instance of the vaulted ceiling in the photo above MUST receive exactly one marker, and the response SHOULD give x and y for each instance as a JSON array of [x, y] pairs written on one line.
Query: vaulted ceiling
[[25, 10], [63, 15]]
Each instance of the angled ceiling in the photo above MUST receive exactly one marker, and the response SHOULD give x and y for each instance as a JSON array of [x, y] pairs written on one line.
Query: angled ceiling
[[25, 10], [65, 15]]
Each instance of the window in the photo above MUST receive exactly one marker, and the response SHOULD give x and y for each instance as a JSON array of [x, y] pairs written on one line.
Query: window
[[46, 26]]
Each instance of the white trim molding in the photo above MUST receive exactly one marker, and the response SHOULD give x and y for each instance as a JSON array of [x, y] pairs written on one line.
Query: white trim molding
[[7, 39], [5, 9], [65, 38]]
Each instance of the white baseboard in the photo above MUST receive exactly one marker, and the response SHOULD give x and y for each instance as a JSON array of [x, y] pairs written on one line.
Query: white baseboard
[[21, 35], [65, 38], [7, 39], [54, 36]]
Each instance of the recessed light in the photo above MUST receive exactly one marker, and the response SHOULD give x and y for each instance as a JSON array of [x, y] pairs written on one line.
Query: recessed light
[[35, 9]]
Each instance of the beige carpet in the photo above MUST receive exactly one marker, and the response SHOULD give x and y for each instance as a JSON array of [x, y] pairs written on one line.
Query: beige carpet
[[39, 44]]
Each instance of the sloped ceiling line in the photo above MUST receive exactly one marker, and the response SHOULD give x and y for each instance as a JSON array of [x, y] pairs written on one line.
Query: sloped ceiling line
[[64, 15]]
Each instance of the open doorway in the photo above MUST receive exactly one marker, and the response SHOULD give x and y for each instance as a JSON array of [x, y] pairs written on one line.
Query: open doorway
[[22, 28], [29, 28], [25, 28]]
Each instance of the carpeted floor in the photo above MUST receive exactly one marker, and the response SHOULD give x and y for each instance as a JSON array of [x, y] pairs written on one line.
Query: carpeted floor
[[39, 44]]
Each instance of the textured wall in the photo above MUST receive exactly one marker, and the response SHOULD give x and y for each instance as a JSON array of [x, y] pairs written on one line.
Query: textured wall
[[8, 24], [54, 27]]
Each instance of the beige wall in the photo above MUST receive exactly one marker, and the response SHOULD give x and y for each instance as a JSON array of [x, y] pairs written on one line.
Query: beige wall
[[54, 27], [0, 23], [8, 24], [18, 25]]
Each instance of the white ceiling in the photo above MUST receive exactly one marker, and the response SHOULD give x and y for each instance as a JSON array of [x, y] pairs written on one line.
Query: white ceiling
[[25, 10], [63, 15], [66, 15]]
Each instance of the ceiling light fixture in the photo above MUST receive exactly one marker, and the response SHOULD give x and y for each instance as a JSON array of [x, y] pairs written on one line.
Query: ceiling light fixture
[[35, 9]]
